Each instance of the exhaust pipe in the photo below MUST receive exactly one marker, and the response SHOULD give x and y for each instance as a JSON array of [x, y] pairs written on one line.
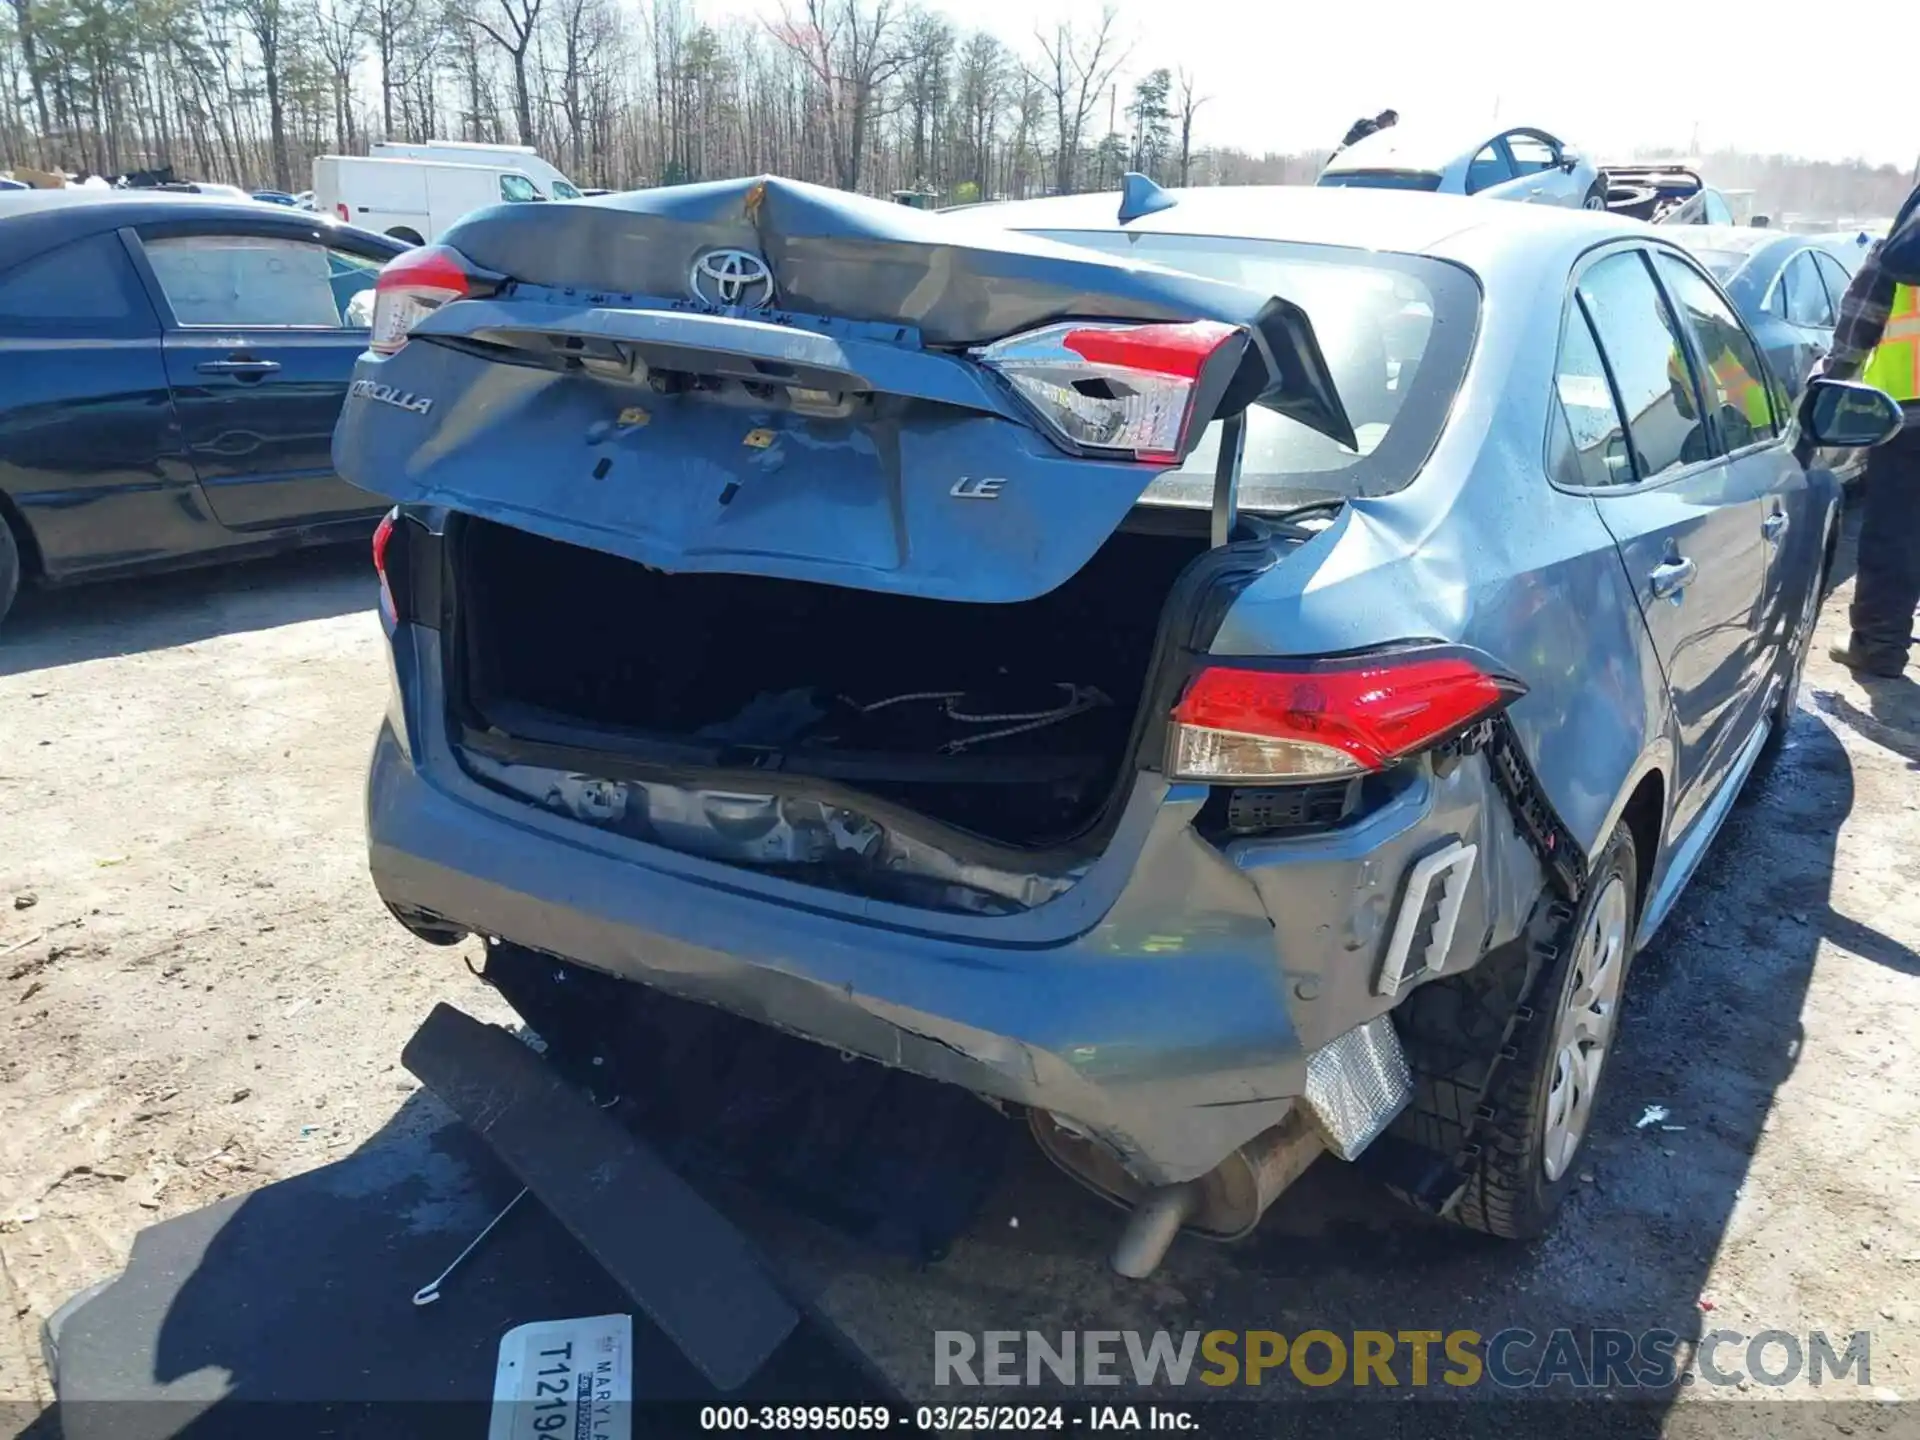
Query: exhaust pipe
[[1224, 1204]]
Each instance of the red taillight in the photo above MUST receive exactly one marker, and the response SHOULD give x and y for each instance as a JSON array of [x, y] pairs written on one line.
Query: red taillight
[[382, 537], [340, 209], [1124, 388], [415, 284], [1328, 719]]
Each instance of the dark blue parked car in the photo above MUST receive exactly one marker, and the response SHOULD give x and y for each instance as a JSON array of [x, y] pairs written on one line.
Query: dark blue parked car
[[171, 367]]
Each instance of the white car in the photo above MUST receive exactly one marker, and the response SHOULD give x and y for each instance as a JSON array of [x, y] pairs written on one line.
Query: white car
[[1517, 164]]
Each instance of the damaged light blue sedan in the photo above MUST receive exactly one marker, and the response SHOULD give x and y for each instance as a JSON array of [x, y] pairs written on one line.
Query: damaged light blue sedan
[[1237, 673]]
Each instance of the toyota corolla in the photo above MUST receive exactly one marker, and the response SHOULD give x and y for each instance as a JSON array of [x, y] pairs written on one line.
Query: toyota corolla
[[1237, 673]]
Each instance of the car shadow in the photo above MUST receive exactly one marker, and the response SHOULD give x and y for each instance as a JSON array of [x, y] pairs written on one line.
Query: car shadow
[[1712, 1031], [70, 625], [290, 1310]]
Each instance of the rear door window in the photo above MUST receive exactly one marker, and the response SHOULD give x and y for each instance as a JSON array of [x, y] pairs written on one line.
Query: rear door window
[[1735, 381], [1531, 155], [1488, 168], [1836, 276], [1652, 373], [1597, 454], [1805, 294], [85, 288], [254, 280]]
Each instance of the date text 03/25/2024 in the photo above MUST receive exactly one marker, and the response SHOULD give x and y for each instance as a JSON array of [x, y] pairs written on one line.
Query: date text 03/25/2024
[[941, 1418]]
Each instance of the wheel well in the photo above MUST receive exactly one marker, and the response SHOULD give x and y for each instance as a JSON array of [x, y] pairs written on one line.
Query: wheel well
[[402, 232], [1646, 809], [30, 565]]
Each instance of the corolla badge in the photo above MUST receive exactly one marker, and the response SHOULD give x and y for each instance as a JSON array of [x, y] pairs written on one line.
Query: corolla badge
[[732, 277], [387, 395]]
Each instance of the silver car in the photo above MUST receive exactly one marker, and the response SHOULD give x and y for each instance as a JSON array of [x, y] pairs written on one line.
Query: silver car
[[1237, 673], [1523, 164]]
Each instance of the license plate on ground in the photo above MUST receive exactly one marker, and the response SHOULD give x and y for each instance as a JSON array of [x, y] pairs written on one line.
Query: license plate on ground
[[571, 1378]]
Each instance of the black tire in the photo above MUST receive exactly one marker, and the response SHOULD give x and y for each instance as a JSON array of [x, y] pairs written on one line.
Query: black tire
[[9, 568], [1453, 1027], [406, 236], [1596, 197], [1519, 1180]]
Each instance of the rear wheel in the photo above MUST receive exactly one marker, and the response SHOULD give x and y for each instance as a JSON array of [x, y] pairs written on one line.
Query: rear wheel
[[1523, 1130], [9, 567], [1544, 1099]]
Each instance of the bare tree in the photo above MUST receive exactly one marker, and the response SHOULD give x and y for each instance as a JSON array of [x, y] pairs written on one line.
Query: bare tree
[[1188, 105], [394, 25], [1076, 71], [587, 28], [512, 25], [927, 49], [850, 49], [340, 36], [24, 29], [981, 88], [274, 31]]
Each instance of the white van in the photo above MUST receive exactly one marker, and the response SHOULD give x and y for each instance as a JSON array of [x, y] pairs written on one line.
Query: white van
[[412, 200], [523, 158]]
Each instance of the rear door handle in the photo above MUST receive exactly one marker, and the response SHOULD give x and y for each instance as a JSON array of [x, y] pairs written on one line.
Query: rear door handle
[[245, 369], [1671, 577], [1775, 525]]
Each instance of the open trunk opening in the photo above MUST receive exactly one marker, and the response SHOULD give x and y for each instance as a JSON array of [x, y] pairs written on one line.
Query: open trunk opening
[[1011, 722]]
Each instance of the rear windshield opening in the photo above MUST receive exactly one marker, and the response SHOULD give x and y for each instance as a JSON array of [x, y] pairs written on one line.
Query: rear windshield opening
[[1381, 180], [1396, 331]]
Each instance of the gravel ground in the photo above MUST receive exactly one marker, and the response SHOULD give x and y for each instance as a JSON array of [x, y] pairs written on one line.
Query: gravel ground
[[200, 994]]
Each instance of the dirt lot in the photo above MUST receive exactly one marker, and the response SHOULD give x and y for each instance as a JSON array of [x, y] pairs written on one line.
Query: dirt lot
[[200, 994]]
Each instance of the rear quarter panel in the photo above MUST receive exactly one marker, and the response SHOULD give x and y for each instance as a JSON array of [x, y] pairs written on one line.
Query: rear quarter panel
[[1480, 550]]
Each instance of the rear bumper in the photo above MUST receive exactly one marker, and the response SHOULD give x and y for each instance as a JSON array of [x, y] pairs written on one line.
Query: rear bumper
[[1174, 1023]]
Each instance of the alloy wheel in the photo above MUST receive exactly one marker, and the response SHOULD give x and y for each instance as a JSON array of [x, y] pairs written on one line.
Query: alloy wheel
[[1583, 1033]]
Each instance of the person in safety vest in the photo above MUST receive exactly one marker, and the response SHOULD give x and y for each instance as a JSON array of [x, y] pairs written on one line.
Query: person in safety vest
[[1877, 340], [1739, 396]]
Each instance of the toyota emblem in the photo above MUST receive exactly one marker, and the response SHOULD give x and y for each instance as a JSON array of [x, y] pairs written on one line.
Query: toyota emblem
[[732, 277]]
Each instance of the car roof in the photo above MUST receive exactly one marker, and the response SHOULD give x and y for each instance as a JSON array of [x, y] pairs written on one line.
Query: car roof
[[41, 219], [1416, 145], [1450, 226]]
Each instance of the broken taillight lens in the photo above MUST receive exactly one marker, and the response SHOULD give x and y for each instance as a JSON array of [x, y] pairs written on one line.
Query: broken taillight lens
[[382, 538], [414, 285], [1125, 388], [1330, 719]]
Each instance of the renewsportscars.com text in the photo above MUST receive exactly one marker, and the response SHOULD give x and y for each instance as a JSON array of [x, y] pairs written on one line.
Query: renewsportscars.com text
[[1513, 1358]]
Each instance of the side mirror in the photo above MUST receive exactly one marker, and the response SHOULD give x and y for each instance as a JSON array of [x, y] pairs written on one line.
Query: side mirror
[[1843, 413], [1569, 163]]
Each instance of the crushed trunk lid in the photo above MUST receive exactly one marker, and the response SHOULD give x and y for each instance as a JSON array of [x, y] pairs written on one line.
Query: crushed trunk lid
[[828, 424]]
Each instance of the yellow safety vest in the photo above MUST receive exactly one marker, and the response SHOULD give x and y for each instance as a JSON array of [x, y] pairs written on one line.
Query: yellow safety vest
[[1894, 365], [1738, 385]]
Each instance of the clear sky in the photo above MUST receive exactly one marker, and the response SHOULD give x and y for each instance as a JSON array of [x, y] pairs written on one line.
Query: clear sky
[[1292, 74]]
